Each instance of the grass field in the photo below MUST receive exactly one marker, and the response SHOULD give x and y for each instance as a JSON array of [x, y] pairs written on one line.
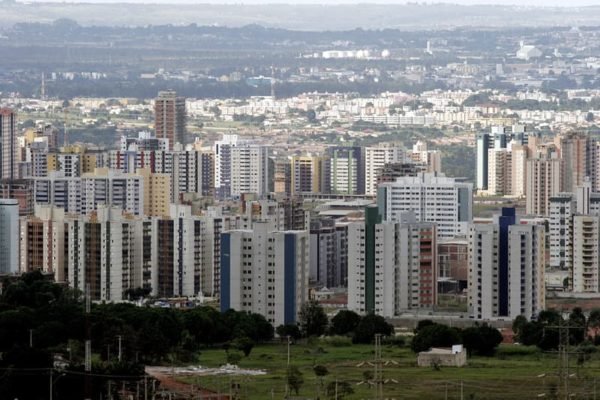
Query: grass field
[[516, 372]]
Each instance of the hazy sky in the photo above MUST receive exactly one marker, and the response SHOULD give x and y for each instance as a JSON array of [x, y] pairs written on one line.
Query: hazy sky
[[562, 3]]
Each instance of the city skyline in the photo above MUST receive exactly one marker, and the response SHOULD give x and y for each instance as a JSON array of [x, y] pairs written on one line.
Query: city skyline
[[535, 3]]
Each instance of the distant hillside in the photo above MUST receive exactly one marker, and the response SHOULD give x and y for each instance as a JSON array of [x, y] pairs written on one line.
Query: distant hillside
[[300, 17]]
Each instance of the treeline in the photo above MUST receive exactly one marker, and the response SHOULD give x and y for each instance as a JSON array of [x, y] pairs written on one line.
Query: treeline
[[481, 340], [545, 333], [41, 320], [44, 326]]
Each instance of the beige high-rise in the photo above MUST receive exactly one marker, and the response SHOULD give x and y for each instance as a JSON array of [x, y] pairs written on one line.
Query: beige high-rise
[[157, 193], [9, 152], [543, 182]]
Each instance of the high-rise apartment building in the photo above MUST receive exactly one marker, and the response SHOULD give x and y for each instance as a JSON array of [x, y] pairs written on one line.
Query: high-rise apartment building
[[585, 270], [324, 253], [9, 150], [265, 271], [433, 198], [499, 172], [561, 210], [376, 158], [306, 174], [574, 236], [519, 156], [222, 151], [214, 222], [170, 117], [157, 193], [344, 170], [544, 179], [9, 236], [392, 266], [42, 241], [104, 251], [506, 268], [190, 171], [483, 146], [75, 160], [83, 194], [250, 170], [575, 152], [282, 176]]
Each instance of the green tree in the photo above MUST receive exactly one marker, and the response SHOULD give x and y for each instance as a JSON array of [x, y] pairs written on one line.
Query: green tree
[[593, 321], [517, 326], [312, 319], [339, 390], [244, 344], [369, 326], [311, 116], [436, 335], [481, 340], [344, 322], [578, 321], [321, 372], [290, 330], [295, 379]]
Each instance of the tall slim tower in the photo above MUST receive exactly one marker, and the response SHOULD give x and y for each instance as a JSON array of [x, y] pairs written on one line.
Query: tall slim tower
[[9, 151], [9, 236], [170, 117]]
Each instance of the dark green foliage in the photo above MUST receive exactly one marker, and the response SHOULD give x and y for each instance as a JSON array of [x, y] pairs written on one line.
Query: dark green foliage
[[320, 370], [339, 390], [481, 340], [312, 319], [369, 326], [290, 330], [56, 319], [544, 331], [435, 335], [517, 327], [578, 321], [244, 344], [344, 322], [295, 379]]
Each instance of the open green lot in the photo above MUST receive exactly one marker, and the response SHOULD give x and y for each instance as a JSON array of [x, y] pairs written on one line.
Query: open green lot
[[516, 372]]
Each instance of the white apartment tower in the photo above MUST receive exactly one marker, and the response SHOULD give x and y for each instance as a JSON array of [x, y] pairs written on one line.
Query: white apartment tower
[[433, 198], [103, 251], [506, 268], [249, 170], [376, 158], [265, 271], [392, 266], [9, 236]]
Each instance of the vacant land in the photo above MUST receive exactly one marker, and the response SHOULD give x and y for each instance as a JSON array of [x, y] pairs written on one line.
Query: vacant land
[[515, 372]]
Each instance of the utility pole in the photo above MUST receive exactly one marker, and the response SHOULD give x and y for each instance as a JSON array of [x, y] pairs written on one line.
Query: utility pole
[[119, 338], [287, 377], [51, 388], [88, 343], [31, 338], [462, 392], [378, 375], [564, 354]]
